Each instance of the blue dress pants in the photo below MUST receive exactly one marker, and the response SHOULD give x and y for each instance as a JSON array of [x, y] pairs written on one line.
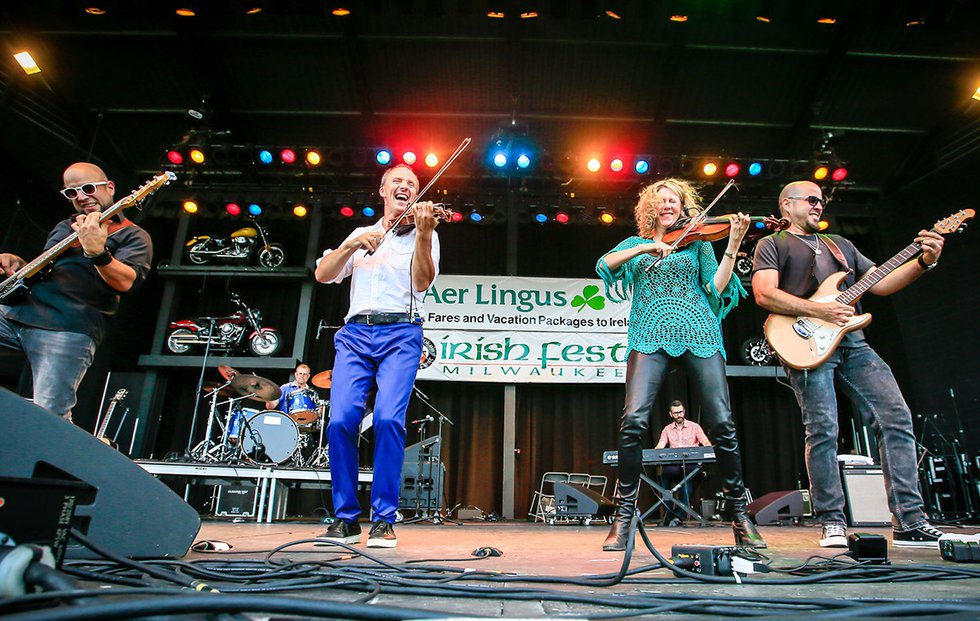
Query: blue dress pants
[[385, 356]]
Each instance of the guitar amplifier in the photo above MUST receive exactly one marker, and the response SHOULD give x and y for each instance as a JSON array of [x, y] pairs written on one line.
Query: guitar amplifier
[[864, 496], [238, 500]]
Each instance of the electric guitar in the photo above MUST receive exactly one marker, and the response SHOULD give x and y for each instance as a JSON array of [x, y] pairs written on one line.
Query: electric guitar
[[115, 401], [805, 343], [18, 284]]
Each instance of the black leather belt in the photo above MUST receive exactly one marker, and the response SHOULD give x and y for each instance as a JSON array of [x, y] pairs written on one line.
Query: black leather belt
[[378, 319]]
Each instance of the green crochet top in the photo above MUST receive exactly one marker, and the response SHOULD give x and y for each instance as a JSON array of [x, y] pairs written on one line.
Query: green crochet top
[[675, 306]]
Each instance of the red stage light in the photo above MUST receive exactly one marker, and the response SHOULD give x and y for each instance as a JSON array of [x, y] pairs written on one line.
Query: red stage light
[[733, 169], [233, 209], [839, 174], [561, 217], [346, 211], [175, 157], [288, 156], [457, 217], [616, 165], [409, 158]]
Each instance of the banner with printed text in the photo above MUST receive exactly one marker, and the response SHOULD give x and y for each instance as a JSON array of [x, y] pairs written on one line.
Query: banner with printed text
[[516, 330]]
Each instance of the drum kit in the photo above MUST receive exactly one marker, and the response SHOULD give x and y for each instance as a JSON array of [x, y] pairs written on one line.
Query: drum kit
[[260, 436]]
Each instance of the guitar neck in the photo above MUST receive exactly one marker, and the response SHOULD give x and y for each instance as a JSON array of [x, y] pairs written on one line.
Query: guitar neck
[[32, 268], [853, 293], [105, 421]]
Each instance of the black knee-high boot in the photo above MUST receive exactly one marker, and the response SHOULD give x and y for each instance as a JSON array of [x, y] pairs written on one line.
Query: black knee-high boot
[[620, 529], [745, 531]]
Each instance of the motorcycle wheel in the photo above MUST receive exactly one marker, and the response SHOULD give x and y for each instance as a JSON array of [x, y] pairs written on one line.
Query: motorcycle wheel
[[173, 341], [265, 343], [756, 352], [743, 266], [272, 257], [194, 257]]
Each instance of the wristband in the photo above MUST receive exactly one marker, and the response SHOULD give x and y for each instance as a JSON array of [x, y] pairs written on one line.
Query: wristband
[[729, 255], [100, 260], [925, 266]]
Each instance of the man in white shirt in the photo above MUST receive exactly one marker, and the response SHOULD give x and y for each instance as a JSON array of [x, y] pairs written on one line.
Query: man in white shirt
[[381, 345]]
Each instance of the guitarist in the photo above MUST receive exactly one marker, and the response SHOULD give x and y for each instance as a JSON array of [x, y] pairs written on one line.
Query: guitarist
[[59, 323], [789, 266]]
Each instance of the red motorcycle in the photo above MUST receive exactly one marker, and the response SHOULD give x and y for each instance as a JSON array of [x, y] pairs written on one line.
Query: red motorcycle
[[234, 333]]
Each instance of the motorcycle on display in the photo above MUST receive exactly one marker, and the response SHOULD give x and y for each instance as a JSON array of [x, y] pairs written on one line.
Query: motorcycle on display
[[237, 247], [242, 330]]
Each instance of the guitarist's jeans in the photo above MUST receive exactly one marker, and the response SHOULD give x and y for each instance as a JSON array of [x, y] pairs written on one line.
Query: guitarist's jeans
[[58, 361], [645, 375], [868, 382]]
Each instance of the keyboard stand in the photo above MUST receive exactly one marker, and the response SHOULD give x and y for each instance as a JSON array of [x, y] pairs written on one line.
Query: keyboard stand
[[665, 495]]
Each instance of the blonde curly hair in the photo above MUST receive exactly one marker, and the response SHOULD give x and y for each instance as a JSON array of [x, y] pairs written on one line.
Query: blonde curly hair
[[649, 204]]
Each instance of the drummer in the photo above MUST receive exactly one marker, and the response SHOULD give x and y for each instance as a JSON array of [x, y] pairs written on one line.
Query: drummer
[[301, 378]]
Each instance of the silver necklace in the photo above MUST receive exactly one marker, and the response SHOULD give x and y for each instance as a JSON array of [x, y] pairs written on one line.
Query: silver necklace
[[815, 248]]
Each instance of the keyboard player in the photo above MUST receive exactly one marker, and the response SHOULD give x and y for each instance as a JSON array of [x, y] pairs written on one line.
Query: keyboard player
[[681, 433]]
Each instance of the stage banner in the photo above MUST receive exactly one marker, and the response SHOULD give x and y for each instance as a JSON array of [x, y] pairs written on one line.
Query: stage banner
[[515, 330]]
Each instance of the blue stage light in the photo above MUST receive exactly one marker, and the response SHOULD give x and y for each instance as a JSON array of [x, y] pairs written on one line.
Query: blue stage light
[[265, 156], [760, 225], [523, 161], [368, 212], [642, 167], [476, 217], [500, 159], [255, 209], [540, 218], [383, 157], [755, 169]]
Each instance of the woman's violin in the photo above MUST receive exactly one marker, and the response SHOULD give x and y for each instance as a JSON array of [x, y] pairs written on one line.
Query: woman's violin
[[713, 229]]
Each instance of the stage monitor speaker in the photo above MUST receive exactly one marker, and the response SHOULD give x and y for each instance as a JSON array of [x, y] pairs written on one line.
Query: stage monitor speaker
[[776, 507], [864, 492], [422, 486], [122, 507], [574, 500]]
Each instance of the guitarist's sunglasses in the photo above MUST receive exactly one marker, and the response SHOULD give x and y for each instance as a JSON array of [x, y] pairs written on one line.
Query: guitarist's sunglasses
[[88, 189], [813, 200]]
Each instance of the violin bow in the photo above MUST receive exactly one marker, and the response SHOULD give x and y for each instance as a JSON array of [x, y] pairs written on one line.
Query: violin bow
[[696, 220], [452, 158]]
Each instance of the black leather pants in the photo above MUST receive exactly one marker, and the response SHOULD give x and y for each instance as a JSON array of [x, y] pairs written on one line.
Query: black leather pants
[[645, 374]]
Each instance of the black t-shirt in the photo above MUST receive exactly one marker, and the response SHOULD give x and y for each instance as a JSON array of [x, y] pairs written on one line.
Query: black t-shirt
[[73, 297], [801, 270]]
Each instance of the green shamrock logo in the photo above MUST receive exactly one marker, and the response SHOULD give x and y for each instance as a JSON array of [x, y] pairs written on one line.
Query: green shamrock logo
[[589, 296]]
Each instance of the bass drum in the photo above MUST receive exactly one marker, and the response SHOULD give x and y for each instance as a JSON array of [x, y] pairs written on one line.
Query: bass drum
[[269, 437]]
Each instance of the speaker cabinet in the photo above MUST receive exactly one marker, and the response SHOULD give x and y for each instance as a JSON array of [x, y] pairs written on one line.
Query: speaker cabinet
[[777, 507], [865, 501], [573, 500], [121, 507]]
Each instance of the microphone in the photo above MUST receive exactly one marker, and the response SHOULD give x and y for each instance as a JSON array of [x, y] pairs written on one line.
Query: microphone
[[421, 420]]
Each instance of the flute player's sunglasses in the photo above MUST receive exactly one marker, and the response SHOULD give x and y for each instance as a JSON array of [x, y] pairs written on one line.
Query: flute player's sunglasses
[[88, 189]]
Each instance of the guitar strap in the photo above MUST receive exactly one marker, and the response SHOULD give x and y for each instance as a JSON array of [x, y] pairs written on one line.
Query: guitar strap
[[836, 251]]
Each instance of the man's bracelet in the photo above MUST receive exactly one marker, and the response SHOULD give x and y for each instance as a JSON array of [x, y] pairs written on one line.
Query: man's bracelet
[[925, 266], [100, 260]]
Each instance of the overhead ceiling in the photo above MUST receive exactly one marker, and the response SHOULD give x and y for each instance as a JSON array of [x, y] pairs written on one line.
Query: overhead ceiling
[[889, 97]]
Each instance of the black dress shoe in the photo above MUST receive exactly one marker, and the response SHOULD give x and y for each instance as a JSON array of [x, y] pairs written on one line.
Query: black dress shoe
[[382, 535], [342, 532]]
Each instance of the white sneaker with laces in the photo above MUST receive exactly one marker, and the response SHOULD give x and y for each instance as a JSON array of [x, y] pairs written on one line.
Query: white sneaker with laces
[[834, 536]]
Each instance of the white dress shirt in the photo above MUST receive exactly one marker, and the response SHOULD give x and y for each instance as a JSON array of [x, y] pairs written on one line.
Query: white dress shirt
[[382, 282]]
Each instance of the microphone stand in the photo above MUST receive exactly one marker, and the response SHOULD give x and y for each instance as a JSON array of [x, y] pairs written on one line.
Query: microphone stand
[[197, 393], [432, 459]]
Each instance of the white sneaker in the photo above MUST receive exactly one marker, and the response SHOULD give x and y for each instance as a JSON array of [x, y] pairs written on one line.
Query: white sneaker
[[834, 536]]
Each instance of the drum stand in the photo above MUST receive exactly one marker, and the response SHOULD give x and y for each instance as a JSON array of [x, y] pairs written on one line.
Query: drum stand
[[429, 457], [320, 457], [223, 451], [189, 453]]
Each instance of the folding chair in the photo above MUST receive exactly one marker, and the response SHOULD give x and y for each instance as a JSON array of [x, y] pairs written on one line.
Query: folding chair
[[543, 500]]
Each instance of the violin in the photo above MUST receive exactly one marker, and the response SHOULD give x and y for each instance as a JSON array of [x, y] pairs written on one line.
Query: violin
[[407, 222], [713, 229]]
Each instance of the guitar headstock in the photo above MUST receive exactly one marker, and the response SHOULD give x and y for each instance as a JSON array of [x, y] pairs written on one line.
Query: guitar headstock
[[954, 223], [151, 186], [120, 394]]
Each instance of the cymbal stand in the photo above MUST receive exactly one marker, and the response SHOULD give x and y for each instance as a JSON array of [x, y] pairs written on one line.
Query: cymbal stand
[[431, 458], [201, 451], [320, 457]]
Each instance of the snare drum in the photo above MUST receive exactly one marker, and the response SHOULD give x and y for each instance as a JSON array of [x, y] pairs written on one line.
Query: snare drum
[[235, 420], [301, 405], [269, 437]]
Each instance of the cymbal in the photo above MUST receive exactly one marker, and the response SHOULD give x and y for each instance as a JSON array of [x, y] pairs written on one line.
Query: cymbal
[[259, 388], [227, 372], [209, 387], [323, 379]]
